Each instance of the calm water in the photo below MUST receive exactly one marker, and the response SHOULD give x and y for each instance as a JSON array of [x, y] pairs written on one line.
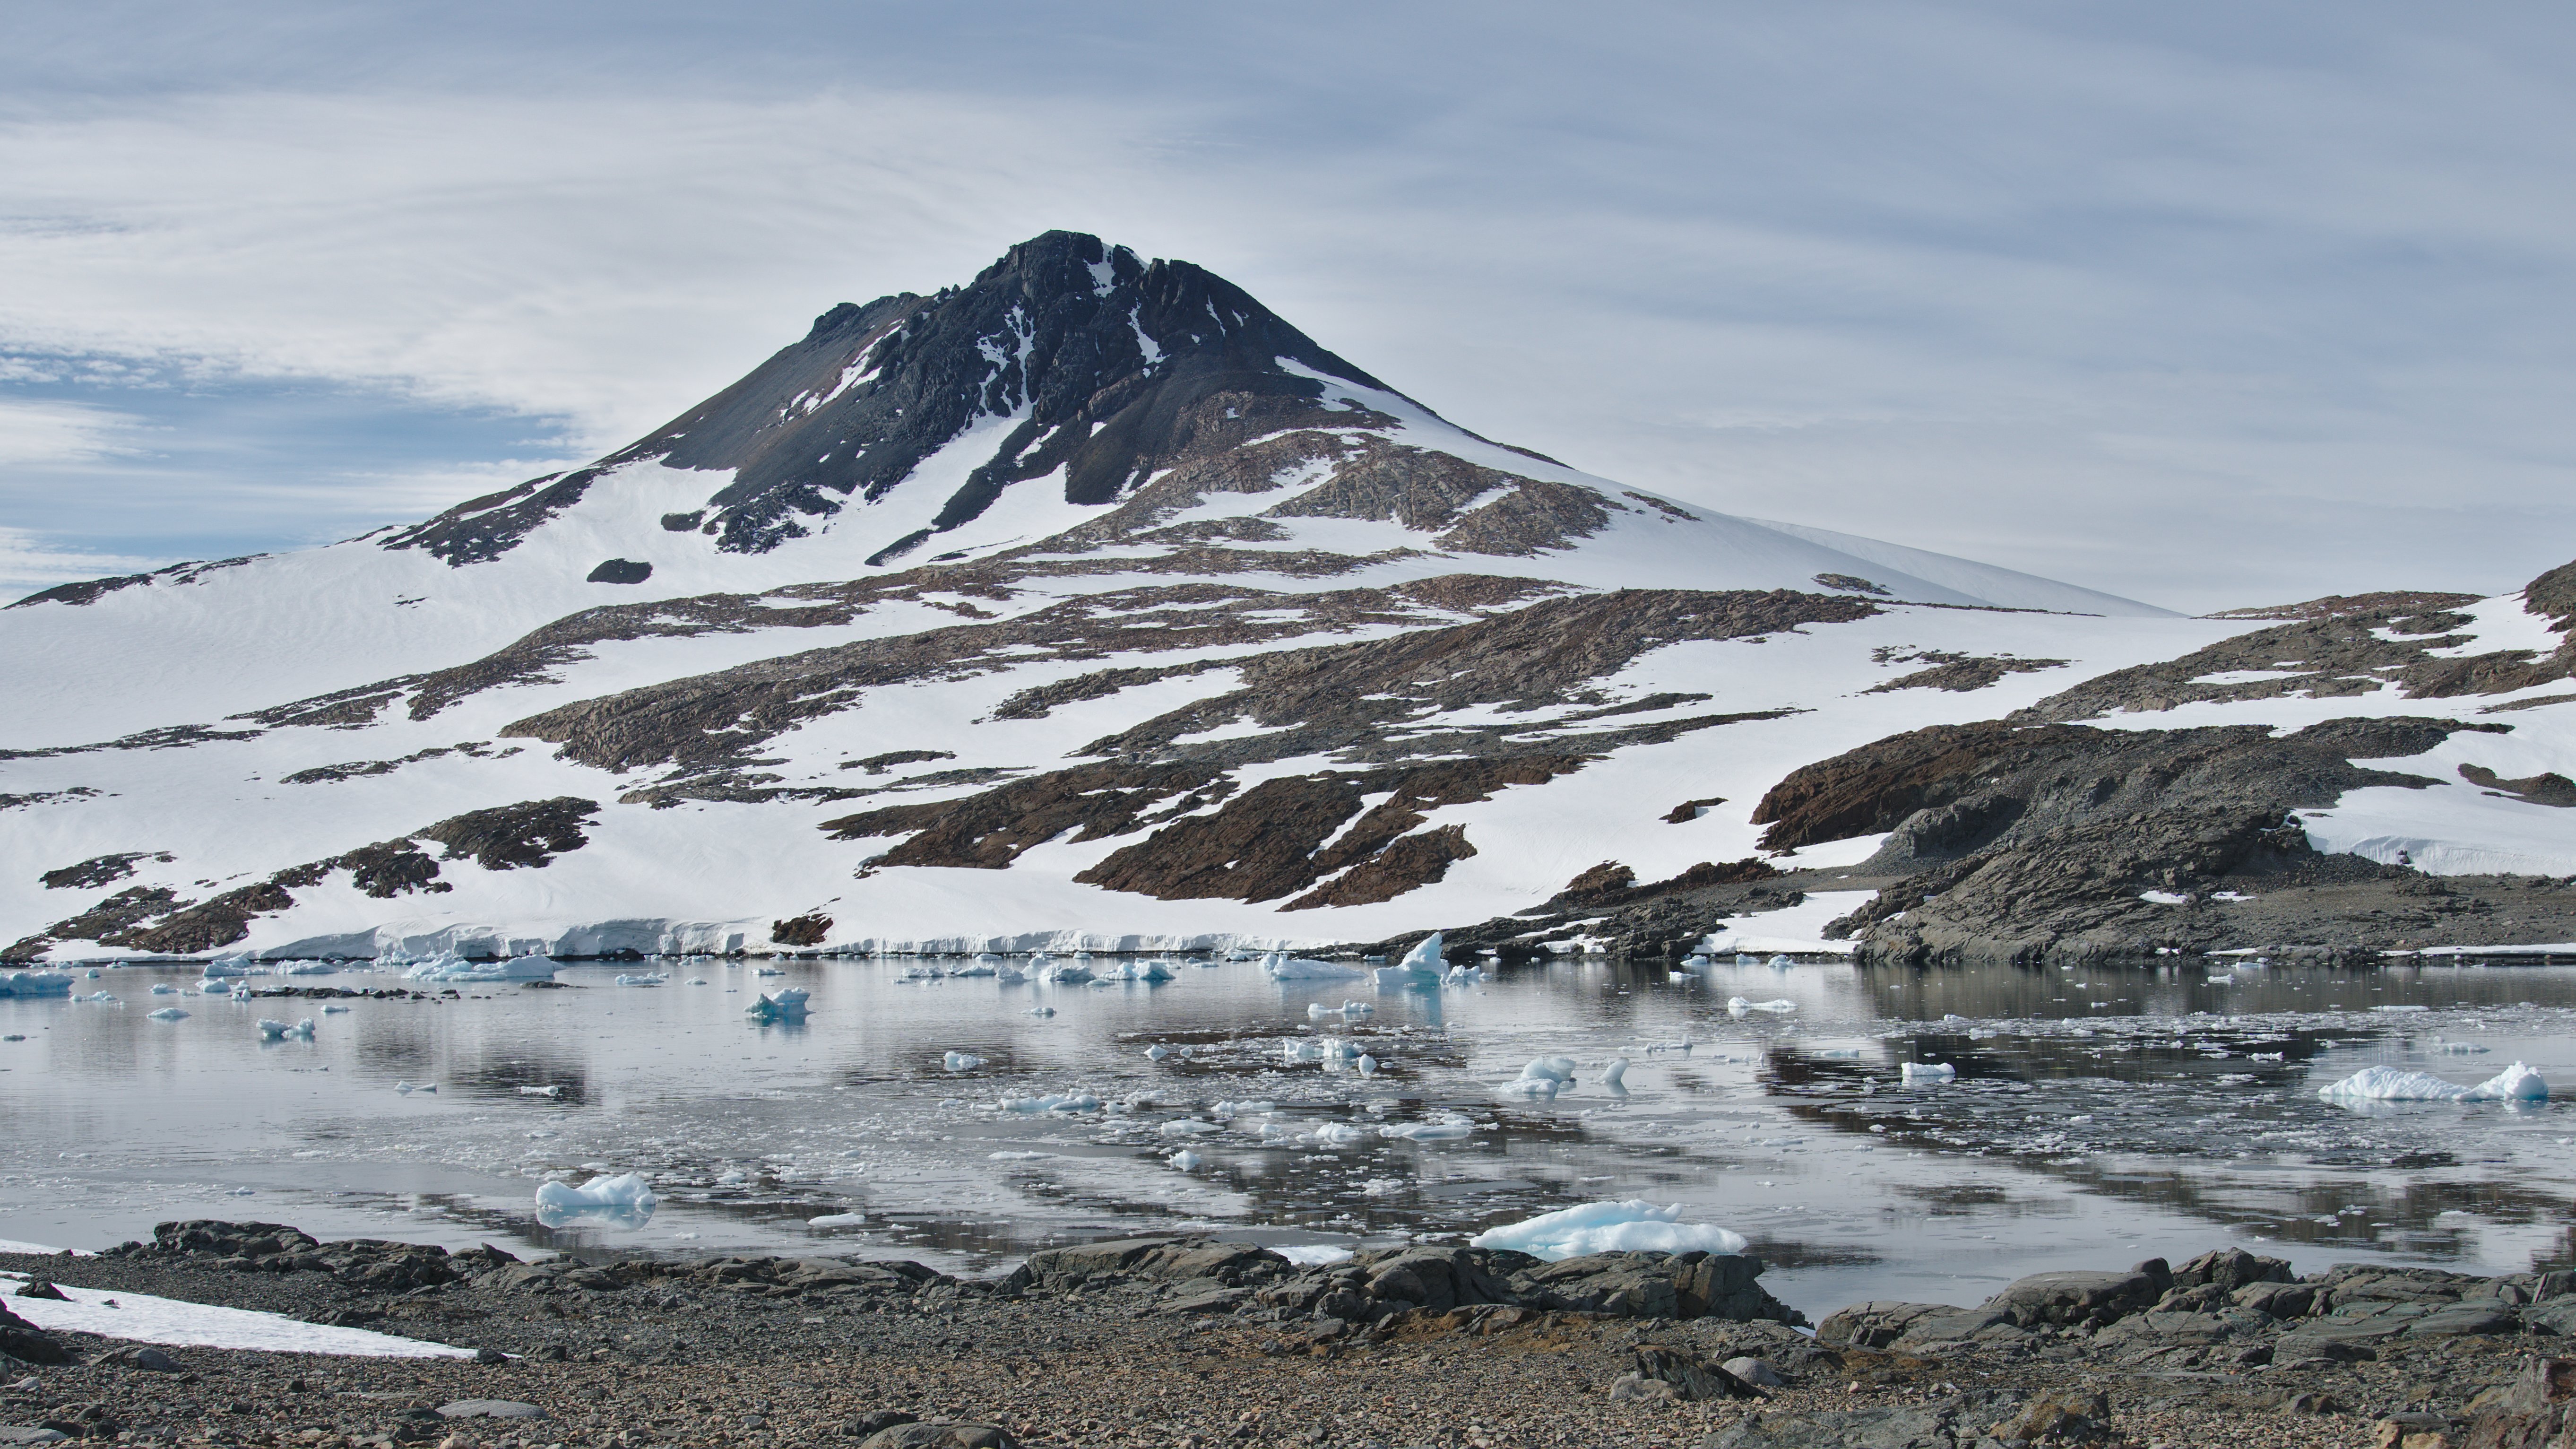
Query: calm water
[[2099, 1117]]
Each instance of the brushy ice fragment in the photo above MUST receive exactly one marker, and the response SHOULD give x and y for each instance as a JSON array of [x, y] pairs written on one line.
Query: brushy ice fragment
[[1609, 1227]]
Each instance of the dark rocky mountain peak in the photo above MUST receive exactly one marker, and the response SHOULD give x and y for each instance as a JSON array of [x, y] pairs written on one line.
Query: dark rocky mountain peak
[[1101, 360]]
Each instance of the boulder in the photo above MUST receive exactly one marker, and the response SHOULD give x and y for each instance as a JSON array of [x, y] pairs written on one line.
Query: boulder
[[940, 1436], [2536, 1410], [2061, 1299], [27, 1343], [1162, 1259], [2058, 1416], [1875, 1324], [2230, 1269]]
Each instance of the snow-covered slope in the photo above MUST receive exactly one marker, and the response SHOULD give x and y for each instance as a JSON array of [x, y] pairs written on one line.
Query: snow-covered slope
[[1089, 598]]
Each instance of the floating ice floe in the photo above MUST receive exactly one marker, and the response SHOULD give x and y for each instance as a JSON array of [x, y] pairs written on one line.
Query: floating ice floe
[[1186, 1160], [334, 1009], [788, 1004], [552, 1090], [1611, 1075], [36, 983], [2516, 1083], [961, 1061], [623, 1201], [169, 1013], [1609, 1227], [279, 1031], [837, 1220], [649, 978], [101, 997], [1448, 1127], [1740, 1005], [1065, 973], [1926, 1073], [1188, 1127], [1279, 966], [1339, 1134], [1069, 1102], [407, 1088], [232, 966], [164, 988], [1041, 1011], [448, 968], [1157, 1052], [1367, 1065], [215, 987]]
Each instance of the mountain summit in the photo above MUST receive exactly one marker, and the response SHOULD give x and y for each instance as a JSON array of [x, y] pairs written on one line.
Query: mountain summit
[[1092, 602]]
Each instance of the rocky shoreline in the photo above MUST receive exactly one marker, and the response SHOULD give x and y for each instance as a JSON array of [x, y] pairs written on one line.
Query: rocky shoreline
[[1193, 1343]]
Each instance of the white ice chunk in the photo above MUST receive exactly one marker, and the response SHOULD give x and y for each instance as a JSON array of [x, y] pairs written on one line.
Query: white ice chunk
[[1927, 1073], [164, 988], [1739, 1006], [1611, 1074], [646, 979], [961, 1061], [1607, 1227], [279, 1031], [1367, 1065], [1287, 968], [837, 1220], [1186, 1160], [1157, 1052], [2516, 1083], [1075, 1102], [169, 1013], [1339, 1134], [625, 1200]]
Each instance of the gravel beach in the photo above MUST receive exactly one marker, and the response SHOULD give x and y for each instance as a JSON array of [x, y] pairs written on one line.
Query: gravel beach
[[1184, 1342]]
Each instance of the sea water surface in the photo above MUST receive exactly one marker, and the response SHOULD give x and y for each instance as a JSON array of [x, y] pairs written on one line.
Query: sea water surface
[[2098, 1117]]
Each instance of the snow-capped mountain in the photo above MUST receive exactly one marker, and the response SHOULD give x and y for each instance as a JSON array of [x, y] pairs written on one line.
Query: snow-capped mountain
[[1089, 598]]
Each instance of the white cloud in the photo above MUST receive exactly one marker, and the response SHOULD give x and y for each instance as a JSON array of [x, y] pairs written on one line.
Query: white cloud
[[38, 431], [29, 562]]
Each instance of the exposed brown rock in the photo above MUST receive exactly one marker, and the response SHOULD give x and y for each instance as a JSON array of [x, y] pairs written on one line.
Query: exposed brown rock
[[98, 870], [1405, 863], [809, 929], [1690, 810]]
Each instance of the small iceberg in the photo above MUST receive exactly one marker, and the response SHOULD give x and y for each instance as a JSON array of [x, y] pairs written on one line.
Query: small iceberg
[[334, 1009], [279, 1031], [624, 1201], [1420, 969], [2516, 1083], [407, 1088], [448, 968], [788, 1004], [231, 966], [169, 1013], [1609, 1227], [554, 1090], [1741, 1006], [1439, 1129], [1926, 1073], [1064, 973], [646, 979], [36, 983], [961, 1061], [164, 988], [1186, 1160], [1279, 966], [837, 1220], [1611, 1074], [212, 986]]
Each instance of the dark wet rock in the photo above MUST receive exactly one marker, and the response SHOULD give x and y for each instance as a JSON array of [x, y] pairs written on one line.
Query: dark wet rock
[[619, 571], [1684, 1377], [39, 1288], [1169, 1260], [2545, 788], [27, 1343]]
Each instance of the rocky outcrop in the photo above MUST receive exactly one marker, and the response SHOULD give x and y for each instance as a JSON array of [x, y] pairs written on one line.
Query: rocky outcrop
[[1203, 1275]]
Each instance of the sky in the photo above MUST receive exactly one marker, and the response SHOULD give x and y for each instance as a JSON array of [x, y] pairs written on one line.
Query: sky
[[2206, 304]]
